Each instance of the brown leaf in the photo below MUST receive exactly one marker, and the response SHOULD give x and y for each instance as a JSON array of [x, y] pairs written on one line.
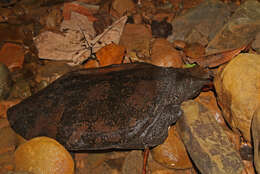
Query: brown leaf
[[215, 60], [77, 7], [110, 54]]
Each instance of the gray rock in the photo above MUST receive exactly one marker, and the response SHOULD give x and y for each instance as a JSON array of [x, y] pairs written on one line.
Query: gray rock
[[200, 24], [21, 89], [206, 142], [5, 82], [256, 43], [240, 30]]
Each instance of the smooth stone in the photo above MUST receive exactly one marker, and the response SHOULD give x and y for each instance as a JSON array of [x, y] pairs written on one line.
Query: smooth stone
[[5, 82]]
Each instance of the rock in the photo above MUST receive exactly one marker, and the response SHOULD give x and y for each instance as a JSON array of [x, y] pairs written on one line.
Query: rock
[[12, 55], [13, 172], [7, 146], [240, 30], [163, 54], [156, 168], [246, 151], [161, 29], [172, 153], [256, 138], [11, 33], [80, 8], [5, 82], [136, 38], [103, 168], [4, 105], [206, 142], [200, 24], [256, 43], [21, 89], [93, 163], [240, 74], [52, 70], [179, 44], [160, 16], [249, 167], [87, 162], [8, 138], [52, 19], [43, 155], [122, 6], [194, 50], [104, 20], [137, 18], [208, 100], [234, 137], [133, 163]]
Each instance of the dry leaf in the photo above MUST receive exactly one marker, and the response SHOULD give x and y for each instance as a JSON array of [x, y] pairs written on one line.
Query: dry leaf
[[109, 54], [215, 60], [75, 43]]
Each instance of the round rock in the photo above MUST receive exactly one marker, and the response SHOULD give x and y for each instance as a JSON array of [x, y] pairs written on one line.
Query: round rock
[[43, 155]]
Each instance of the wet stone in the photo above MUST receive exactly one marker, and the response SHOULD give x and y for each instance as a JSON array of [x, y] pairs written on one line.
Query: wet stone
[[5, 82], [201, 23], [161, 29], [240, 29], [133, 163]]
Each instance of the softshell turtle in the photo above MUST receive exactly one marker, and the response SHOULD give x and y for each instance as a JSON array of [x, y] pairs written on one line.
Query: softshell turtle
[[128, 106]]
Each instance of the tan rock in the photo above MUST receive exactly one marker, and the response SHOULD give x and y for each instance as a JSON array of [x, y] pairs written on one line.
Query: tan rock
[[87, 162], [133, 163], [238, 91], [209, 101], [43, 155], [163, 54], [136, 38], [256, 139], [172, 153], [179, 44], [194, 50], [249, 168], [4, 105], [137, 18], [234, 137], [206, 142], [156, 168], [8, 142], [52, 70], [8, 139], [122, 6]]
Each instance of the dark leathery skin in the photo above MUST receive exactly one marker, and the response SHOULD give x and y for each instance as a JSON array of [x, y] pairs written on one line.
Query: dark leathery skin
[[127, 106]]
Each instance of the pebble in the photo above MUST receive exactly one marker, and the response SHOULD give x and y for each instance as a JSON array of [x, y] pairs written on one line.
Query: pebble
[[172, 153], [163, 54], [136, 38], [5, 82], [133, 163], [43, 155]]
